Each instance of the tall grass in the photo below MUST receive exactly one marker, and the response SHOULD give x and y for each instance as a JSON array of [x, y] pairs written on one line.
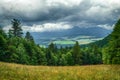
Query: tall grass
[[10, 71]]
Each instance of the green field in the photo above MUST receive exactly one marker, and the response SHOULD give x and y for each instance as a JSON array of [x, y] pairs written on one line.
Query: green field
[[13, 71], [81, 40]]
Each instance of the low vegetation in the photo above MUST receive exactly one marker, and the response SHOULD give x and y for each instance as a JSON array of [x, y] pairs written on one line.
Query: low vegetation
[[93, 72]]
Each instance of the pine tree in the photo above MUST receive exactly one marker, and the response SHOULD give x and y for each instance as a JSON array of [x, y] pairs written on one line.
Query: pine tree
[[10, 35], [2, 33], [29, 36], [69, 58], [77, 54], [16, 28], [3, 45], [52, 47]]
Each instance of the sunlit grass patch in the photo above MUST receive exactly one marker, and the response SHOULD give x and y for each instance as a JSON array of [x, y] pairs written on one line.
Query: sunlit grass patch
[[91, 72]]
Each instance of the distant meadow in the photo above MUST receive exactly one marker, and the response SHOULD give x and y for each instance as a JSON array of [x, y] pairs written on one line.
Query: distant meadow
[[65, 41]]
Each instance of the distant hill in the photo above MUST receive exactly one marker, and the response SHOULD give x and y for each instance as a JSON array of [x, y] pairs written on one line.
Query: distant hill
[[101, 43], [48, 36]]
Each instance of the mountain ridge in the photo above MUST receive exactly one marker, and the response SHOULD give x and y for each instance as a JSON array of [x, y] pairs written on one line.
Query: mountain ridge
[[74, 32]]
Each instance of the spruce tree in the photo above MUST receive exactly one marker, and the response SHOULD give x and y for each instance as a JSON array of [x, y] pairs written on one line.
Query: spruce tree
[[77, 54], [29, 36], [16, 28]]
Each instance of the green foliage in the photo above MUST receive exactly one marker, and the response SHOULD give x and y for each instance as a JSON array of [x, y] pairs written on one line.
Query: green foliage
[[28, 36], [10, 35], [112, 50], [77, 55], [15, 48], [25, 51], [62, 60], [22, 56], [3, 45], [69, 59], [52, 47], [92, 55], [54, 60], [2, 33], [2, 42], [41, 58]]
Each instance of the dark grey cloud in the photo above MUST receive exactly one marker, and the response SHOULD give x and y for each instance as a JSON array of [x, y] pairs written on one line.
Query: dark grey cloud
[[82, 13]]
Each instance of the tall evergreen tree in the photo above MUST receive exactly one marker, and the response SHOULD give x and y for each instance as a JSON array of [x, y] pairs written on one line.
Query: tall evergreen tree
[[16, 28], [3, 45], [69, 58], [28, 36], [77, 55], [2, 32], [52, 47], [10, 35]]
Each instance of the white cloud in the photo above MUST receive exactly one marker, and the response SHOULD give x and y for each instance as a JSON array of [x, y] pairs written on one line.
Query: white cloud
[[67, 3], [106, 26], [27, 8], [106, 3], [47, 27], [43, 27], [103, 9], [6, 28]]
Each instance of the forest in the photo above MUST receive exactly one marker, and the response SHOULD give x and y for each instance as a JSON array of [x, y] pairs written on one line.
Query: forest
[[16, 48]]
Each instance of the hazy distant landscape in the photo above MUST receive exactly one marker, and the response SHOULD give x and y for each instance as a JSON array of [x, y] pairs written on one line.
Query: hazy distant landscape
[[70, 36]]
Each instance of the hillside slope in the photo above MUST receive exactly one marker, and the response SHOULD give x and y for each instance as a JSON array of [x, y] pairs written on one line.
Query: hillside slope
[[101, 43]]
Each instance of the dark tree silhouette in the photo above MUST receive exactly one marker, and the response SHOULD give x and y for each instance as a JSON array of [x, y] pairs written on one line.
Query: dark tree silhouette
[[28, 36], [16, 28]]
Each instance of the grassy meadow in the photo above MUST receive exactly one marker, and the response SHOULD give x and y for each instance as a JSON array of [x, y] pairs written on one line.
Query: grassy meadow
[[11, 71]]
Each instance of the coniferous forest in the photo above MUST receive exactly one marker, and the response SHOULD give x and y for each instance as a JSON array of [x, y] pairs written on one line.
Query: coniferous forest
[[16, 48]]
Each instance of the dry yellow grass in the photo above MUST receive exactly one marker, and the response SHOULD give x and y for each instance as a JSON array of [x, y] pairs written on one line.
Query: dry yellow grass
[[13, 71]]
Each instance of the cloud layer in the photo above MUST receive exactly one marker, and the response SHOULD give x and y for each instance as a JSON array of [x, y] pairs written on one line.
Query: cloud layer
[[47, 27], [53, 13]]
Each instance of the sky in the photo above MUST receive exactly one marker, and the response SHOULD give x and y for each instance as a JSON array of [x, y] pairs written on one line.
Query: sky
[[53, 15]]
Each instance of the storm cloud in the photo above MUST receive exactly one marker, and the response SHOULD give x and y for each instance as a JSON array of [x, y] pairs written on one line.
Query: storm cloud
[[60, 14]]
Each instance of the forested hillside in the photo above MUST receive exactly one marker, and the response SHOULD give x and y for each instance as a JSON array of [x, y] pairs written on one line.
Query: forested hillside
[[111, 52], [14, 47]]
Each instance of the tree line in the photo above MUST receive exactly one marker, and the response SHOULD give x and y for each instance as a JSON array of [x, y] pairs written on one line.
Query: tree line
[[14, 47]]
